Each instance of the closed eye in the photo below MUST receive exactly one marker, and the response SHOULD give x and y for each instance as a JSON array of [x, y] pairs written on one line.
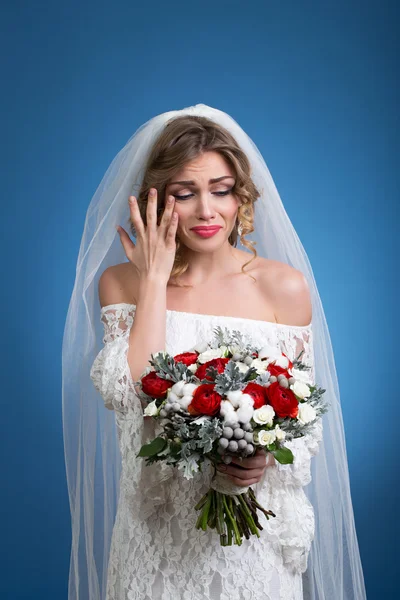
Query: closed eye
[[225, 193]]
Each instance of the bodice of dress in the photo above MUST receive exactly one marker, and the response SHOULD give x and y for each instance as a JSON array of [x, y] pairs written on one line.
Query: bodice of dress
[[161, 492]]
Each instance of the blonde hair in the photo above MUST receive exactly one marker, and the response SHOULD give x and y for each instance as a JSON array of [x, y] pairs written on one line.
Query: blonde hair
[[182, 140]]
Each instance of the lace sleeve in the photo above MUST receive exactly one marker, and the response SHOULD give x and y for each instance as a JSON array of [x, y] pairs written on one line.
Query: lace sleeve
[[304, 448], [110, 372]]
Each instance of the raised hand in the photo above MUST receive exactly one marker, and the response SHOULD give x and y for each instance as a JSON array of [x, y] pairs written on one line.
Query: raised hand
[[153, 254]]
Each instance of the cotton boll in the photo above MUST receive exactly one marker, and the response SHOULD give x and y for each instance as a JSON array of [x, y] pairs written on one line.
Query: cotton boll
[[188, 389], [200, 347], [172, 396], [269, 352], [234, 397], [176, 389], [245, 413], [185, 401], [227, 411], [247, 400]]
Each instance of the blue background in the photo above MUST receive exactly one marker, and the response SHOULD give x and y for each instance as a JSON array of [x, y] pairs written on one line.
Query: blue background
[[314, 84]]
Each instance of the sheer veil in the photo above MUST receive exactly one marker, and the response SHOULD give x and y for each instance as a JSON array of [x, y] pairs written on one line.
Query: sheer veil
[[93, 462]]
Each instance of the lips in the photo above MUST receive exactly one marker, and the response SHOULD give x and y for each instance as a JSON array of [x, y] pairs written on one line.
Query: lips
[[206, 232]]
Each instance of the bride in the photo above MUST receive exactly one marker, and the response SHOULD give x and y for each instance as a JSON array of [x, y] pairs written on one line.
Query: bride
[[202, 185]]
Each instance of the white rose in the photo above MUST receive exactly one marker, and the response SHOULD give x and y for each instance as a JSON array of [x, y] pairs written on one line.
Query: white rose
[[242, 367], [259, 365], [303, 376], [264, 415], [269, 352], [300, 389], [265, 438], [210, 354], [280, 434], [306, 413], [151, 409]]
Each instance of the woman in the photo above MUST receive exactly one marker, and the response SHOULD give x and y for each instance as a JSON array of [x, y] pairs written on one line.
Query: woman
[[177, 285]]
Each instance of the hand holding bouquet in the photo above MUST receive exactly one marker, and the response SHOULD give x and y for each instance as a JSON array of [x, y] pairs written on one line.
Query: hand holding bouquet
[[226, 399]]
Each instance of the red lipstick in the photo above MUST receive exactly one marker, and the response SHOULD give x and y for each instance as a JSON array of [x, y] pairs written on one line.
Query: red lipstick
[[206, 232]]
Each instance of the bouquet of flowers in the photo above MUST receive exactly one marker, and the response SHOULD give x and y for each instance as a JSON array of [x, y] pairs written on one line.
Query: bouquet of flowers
[[223, 399]]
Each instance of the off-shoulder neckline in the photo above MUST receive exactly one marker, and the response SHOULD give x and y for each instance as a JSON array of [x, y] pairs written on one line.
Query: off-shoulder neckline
[[228, 317]]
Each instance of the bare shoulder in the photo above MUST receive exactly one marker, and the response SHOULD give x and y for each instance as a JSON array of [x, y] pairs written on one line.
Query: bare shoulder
[[289, 291], [118, 283]]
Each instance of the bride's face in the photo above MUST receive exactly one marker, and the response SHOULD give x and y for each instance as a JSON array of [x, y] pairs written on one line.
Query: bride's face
[[199, 201]]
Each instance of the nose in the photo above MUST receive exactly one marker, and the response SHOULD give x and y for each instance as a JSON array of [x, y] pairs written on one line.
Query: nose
[[204, 208]]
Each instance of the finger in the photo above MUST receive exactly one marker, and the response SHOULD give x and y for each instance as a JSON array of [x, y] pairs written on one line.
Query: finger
[[151, 210], [251, 462], [244, 482], [167, 214], [126, 241], [136, 217], [171, 233], [242, 473]]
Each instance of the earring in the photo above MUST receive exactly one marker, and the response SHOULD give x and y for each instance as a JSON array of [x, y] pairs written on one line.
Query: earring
[[240, 228]]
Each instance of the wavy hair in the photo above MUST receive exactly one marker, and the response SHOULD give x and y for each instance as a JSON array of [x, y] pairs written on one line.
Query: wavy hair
[[182, 140]]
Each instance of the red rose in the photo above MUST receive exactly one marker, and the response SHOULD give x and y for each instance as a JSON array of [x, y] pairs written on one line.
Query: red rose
[[206, 401], [282, 400], [257, 392], [187, 358], [154, 386], [276, 370], [217, 363]]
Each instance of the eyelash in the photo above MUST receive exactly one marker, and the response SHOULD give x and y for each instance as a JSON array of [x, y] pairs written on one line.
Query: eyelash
[[225, 193]]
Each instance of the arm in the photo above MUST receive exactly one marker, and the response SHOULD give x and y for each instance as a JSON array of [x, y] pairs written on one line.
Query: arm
[[129, 340]]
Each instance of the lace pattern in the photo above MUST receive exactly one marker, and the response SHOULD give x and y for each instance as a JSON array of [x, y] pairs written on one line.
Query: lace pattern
[[156, 552]]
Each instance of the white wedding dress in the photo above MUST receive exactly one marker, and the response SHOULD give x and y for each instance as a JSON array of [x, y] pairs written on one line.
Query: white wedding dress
[[156, 552]]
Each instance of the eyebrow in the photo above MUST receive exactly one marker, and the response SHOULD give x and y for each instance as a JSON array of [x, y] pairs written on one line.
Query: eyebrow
[[215, 180]]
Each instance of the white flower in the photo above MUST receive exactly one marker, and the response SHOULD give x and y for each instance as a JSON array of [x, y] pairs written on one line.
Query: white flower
[[282, 361], [303, 376], [193, 367], [300, 389], [242, 367], [280, 434], [151, 409], [306, 413], [265, 438], [264, 415], [259, 365], [211, 353], [269, 352]]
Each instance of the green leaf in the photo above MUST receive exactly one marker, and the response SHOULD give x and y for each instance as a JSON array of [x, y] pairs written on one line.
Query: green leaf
[[155, 446], [283, 455]]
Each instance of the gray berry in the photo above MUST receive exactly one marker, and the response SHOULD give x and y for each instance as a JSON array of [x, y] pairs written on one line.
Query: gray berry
[[233, 446], [227, 432], [163, 413], [248, 360], [284, 383], [223, 442], [249, 449], [273, 379], [230, 424], [292, 380], [248, 436], [247, 427], [236, 356], [281, 376], [238, 434], [227, 459], [242, 444], [235, 425]]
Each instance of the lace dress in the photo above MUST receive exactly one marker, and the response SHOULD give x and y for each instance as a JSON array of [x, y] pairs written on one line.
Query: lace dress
[[156, 552]]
